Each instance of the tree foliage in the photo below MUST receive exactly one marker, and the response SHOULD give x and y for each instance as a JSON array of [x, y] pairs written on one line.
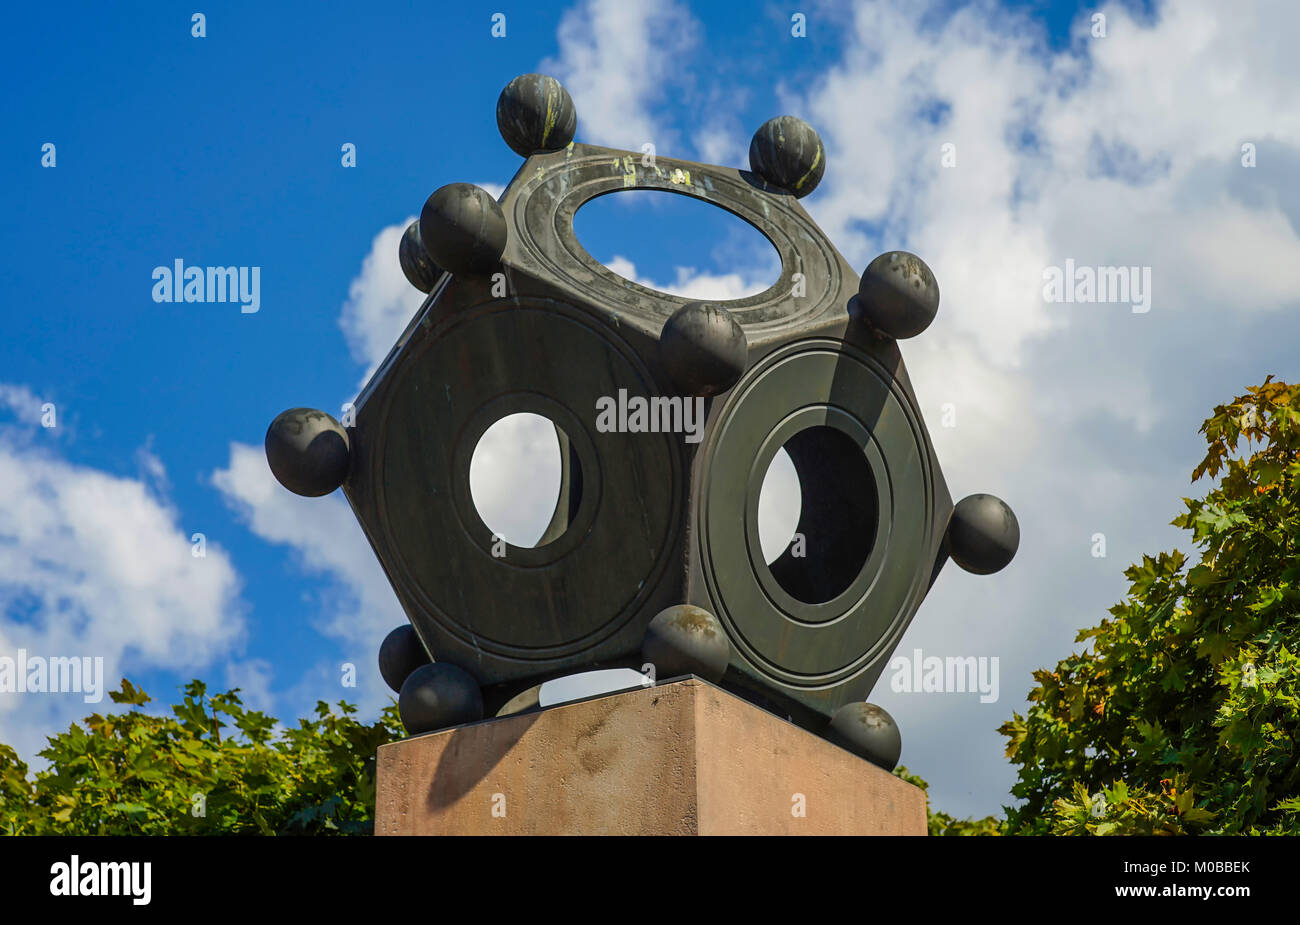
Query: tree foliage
[[1183, 714], [212, 767]]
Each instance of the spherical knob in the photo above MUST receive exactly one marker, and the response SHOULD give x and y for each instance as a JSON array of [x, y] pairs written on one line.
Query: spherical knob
[[869, 732], [439, 695], [983, 534], [703, 349], [898, 295], [420, 270], [463, 229], [535, 113], [400, 654], [307, 451], [686, 640], [787, 152]]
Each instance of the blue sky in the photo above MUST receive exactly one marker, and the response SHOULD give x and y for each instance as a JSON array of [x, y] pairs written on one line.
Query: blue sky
[[225, 150]]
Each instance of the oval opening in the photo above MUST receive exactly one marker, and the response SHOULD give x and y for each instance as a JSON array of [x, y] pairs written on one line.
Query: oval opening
[[677, 244], [519, 481], [836, 518]]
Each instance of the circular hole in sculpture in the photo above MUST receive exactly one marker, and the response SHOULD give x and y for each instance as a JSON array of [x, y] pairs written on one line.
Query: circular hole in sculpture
[[525, 480], [835, 520]]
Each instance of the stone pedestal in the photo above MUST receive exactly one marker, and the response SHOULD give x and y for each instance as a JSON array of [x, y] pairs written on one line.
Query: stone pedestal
[[685, 758]]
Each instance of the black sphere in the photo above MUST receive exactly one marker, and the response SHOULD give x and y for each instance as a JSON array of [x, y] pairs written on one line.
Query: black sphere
[[307, 451], [421, 272], [898, 295], [703, 349], [869, 732], [983, 534], [400, 654], [463, 229], [535, 113], [439, 695], [787, 152], [686, 640]]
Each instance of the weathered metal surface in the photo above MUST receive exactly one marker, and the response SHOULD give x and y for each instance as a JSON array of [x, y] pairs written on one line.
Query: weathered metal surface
[[686, 640], [527, 321]]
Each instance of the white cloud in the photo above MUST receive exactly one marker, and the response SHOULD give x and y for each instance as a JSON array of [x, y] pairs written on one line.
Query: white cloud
[[355, 604], [692, 284], [380, 301], [617, 61], [252, 677], [327, 538], [722, 143], [98, 565], [21, 402], [152, 470]]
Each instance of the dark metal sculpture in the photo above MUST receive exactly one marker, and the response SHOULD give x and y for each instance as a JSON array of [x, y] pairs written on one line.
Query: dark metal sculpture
[[653, 552]]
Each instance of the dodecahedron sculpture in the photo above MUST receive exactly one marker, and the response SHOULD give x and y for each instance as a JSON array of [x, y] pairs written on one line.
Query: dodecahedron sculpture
[[653, 551]]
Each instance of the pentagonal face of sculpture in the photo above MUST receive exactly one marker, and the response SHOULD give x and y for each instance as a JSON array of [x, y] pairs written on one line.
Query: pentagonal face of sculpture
[[818, 624], [501, 611]]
